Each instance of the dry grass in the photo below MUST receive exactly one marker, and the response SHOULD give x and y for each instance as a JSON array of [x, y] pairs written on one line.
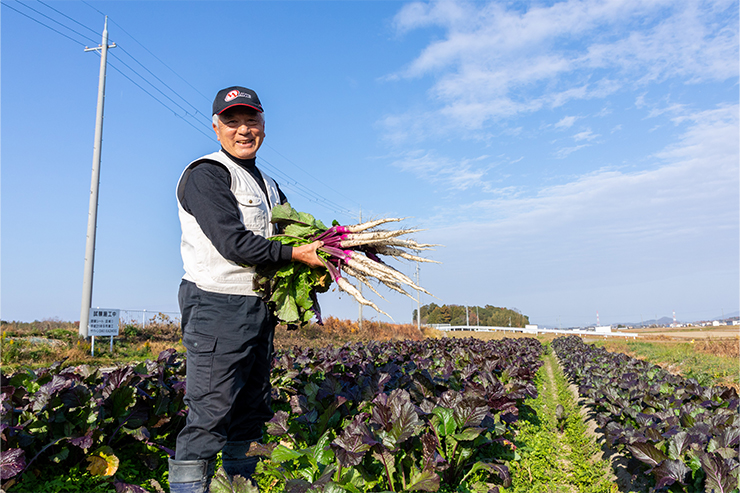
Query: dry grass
[[337, 332], [493, 336], [724, 347], [729, 348], [41, 343]]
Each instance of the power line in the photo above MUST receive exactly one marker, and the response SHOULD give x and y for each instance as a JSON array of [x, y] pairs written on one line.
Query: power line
[[45, 25], [114, 56], [197, 111], [96, 10], [54, 20], [160, 80], [290, 183], [160, 61], [309, 174], [300, 189], [156, 88], [295, 185], [68, 17], [152, 54], [112, 66], [304, 191], [158, 100]]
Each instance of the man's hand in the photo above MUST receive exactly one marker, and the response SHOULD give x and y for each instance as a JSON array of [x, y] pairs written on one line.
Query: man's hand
[[307, 254]]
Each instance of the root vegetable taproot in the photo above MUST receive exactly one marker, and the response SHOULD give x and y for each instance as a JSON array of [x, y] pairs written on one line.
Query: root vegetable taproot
[[361, 277], [397, 252], [348, 288], [354, 251]]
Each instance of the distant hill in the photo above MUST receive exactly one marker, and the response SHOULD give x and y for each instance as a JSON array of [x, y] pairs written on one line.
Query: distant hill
[[660, 321], [664, 321], [726, 315]]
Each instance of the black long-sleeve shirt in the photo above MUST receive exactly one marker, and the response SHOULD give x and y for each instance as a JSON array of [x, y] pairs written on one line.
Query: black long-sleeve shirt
[[205, 192]]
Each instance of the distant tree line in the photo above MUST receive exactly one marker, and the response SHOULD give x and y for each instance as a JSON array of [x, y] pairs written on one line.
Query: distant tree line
[[477, 315]]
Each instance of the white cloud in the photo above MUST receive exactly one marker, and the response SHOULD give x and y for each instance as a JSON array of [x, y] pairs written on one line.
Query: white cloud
[[689, 43], [585, 135], [455, 175], [615, 241], [674, 108], [692, 190], [597, 69], [496, 62], [564, 152], [566, 122]]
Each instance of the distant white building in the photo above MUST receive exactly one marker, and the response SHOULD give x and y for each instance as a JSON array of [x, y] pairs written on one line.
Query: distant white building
[[604, 329]]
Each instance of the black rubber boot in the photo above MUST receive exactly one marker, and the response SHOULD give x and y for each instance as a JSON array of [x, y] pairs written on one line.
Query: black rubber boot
[[191, 476], [235, 460]]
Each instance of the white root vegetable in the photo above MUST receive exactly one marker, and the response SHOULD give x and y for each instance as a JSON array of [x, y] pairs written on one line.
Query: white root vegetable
[[385, 274], [346, 252], [379, 275], [397, 287], [372, 266], [410, 244], [358, 228], [348, 288], [360, 276], [397, 252], [379, 235]]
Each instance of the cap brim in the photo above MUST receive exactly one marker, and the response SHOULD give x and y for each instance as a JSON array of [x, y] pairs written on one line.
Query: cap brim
[[240, 104]]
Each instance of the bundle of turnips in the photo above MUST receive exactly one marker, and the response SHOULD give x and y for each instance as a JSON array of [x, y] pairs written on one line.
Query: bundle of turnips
[[347, 251]]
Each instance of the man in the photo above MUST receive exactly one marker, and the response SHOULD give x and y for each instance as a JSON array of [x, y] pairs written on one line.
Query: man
[[224, 205]]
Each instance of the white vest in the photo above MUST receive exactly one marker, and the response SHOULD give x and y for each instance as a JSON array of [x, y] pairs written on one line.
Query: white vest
[[203, 265]]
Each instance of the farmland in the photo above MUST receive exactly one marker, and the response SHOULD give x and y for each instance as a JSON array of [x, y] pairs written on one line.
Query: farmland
[[411, 412]]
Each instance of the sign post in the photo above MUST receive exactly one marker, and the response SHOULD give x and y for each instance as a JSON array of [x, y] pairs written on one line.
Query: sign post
[[103, 322]]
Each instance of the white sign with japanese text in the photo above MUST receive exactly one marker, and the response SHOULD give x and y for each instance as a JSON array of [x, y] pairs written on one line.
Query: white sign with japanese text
[[103, 322]]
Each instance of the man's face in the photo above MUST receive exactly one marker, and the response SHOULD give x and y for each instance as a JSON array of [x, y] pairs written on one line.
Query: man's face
[[241, 131]]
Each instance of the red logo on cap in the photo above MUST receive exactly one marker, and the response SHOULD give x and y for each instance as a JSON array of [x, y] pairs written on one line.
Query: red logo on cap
[[231, 95]]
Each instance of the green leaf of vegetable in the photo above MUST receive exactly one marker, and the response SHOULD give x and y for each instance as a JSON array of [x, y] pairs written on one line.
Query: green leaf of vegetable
[[283, 454], [445, 422]]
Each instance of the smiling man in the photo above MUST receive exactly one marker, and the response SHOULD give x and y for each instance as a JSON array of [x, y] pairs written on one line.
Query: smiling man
[[224, 205]]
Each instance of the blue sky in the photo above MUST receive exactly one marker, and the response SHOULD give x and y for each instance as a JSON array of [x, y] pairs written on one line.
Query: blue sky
[[573, 157]]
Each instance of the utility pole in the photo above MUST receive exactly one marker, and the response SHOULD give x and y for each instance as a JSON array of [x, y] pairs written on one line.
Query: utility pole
[[360, 288], [92, 217], [418, 301]]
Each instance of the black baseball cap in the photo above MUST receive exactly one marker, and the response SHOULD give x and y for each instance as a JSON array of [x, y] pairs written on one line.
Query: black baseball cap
[[235, 96]]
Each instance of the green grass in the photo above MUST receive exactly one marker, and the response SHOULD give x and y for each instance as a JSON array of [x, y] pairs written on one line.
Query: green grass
[[551, 460], [684, 359]]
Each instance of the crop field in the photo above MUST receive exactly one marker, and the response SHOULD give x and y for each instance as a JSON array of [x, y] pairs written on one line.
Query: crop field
[[415, 412]]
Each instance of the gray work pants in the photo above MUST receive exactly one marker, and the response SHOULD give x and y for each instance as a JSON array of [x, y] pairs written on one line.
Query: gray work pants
[[229, 353]]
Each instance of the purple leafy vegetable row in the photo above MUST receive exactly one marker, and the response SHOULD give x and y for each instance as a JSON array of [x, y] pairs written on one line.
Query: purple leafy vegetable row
[[398, 416], [67, 415], [685, 435]]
